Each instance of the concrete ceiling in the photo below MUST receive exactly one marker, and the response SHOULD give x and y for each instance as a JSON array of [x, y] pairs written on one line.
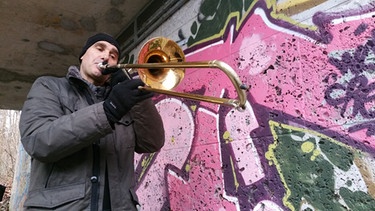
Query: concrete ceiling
[[44, 37]]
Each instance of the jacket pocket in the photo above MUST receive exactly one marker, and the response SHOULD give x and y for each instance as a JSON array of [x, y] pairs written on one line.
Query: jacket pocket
[[54, 197], [124, 134], [69, 105], [126, 120]]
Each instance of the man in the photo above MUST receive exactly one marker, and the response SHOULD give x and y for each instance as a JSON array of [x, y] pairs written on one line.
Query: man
[[82, 130]]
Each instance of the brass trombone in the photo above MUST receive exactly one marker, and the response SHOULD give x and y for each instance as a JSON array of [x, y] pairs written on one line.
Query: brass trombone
[[161, 64]]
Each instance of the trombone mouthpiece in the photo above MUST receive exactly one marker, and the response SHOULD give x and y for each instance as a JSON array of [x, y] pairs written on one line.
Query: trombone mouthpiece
[[103, 65]]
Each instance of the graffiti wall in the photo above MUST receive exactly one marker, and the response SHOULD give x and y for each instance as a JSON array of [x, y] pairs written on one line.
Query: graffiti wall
[[306, 140]]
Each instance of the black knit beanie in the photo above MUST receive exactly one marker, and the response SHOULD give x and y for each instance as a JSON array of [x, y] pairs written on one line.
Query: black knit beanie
[[99, 37]]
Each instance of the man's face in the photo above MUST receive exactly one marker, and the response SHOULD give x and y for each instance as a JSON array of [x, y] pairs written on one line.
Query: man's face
[[101, 51]]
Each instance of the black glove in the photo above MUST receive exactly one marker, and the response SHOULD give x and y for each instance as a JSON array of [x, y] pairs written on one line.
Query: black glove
[[117, 75], [122, 98]]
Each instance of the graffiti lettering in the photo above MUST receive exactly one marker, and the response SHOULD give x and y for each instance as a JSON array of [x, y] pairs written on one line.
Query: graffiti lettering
[[359, 91]]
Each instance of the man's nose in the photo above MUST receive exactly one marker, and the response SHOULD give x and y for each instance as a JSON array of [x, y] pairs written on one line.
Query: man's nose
[[105, 55]]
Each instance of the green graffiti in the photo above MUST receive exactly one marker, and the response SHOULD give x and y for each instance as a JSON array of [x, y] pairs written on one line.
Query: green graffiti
[[213, 18], [317, 171]]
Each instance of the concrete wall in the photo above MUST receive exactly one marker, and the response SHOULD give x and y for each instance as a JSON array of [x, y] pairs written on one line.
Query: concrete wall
[[306, 139]]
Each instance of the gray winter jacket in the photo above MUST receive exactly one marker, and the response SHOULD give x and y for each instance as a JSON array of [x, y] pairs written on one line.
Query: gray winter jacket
[[66, 132]]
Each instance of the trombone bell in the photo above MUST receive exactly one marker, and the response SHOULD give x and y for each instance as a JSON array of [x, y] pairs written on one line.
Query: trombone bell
[[161, 50]]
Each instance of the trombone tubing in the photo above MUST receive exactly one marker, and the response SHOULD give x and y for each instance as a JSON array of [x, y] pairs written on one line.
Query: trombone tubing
[[228, 70]]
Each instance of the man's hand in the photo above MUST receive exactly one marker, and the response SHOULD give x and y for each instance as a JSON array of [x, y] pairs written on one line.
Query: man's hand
[[123, 97]]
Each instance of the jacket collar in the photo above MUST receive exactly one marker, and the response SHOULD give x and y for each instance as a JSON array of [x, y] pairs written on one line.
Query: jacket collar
[[75, 77]]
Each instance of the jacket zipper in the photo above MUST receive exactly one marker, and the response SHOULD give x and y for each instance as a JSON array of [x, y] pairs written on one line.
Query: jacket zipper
[[95, 177], [95, 180]]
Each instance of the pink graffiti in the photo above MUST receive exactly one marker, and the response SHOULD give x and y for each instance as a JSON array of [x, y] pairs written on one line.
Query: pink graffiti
[[293, 80], [286, 73]]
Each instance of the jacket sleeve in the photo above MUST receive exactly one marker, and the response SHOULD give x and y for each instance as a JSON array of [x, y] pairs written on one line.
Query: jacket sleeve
[[148, 127], [47, 133]]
